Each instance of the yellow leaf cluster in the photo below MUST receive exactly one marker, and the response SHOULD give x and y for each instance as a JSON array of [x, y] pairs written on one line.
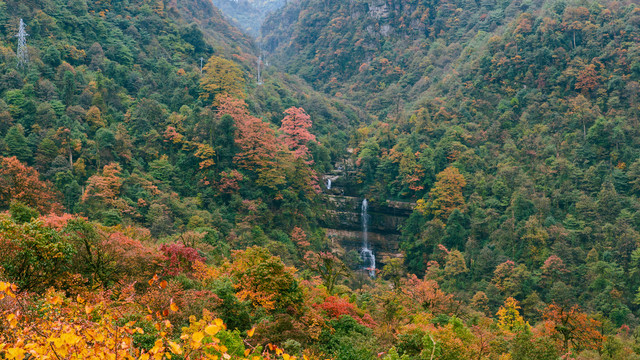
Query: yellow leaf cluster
[[220, 77], [509, 318], [67, 328]]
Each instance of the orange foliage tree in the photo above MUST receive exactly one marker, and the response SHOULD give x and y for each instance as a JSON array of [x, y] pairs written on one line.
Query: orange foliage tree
[[101, 327], [573, 328], [588, 79], [446, 194], [22, 183], [296, 126], [105, 188], [428, 294], [264, 279]]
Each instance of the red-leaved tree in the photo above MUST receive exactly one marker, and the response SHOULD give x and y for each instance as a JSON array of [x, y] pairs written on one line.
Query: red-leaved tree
[[181, 258], [258, 145], [295, 127], [573, 328], [20, 182], [428, 294], [335, 307]]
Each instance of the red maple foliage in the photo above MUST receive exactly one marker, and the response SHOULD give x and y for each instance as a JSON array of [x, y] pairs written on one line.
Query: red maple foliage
[[573, 328], [259, 146], [229, 181], [336, 307], [56, 221], [131, 257], [295, 127], [553, 267], [299, 237], [181, 258], [428, 294], [22, 183]]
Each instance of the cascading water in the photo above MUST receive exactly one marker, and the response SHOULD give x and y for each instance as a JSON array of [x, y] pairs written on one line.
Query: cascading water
[[328, 184], [367, 254]]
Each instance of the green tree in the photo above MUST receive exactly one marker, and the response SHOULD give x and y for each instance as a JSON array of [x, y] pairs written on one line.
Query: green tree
[[456, 230], [608, 202], [4, 15], [21, 213], [79, 7], [346, 339], [34, 256], [17, 143], [47, 151], [51, 56], [69, 187]]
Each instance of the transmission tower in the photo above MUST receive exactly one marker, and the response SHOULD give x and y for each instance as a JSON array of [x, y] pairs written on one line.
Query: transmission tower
[[23, 54]]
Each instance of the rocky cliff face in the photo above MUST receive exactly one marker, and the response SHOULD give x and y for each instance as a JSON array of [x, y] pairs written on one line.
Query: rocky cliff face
[[343, 224]]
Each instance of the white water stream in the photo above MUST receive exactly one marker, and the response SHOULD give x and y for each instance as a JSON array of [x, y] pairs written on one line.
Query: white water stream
[[368, 257]]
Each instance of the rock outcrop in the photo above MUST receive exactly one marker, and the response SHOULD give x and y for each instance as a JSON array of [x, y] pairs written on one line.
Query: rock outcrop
[[343, 224]]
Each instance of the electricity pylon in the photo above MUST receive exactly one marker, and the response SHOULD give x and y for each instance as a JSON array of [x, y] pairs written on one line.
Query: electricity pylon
[[22, 54]]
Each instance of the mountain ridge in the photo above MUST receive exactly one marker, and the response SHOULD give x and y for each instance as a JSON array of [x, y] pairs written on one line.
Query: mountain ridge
[[248, 14]]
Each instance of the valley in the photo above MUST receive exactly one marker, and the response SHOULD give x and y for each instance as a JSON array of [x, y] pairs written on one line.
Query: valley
[[320, 179]]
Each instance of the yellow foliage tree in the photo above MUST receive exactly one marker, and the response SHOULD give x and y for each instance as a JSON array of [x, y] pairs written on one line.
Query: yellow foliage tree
[[94, 118], [509, 318], [445, 195], [221, 76], [79, 328]]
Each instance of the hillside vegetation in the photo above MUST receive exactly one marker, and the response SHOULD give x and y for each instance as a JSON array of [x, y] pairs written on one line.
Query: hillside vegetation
[[158, 202], [512, 124]]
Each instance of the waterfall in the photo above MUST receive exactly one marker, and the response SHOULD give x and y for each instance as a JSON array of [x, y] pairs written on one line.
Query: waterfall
[[367, 254], [328, 184]]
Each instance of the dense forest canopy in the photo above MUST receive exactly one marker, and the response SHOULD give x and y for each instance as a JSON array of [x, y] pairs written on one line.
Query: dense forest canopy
[[166, 179]]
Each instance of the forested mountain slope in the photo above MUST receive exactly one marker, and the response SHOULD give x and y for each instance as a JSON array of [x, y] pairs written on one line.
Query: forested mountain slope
[[124, 161], [513, 124], [381, 53], [154, 208], [396, 50], [211, 19], [119, 84]]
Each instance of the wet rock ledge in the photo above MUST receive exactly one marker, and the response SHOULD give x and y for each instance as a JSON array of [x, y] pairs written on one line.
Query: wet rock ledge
[[343, 224]]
